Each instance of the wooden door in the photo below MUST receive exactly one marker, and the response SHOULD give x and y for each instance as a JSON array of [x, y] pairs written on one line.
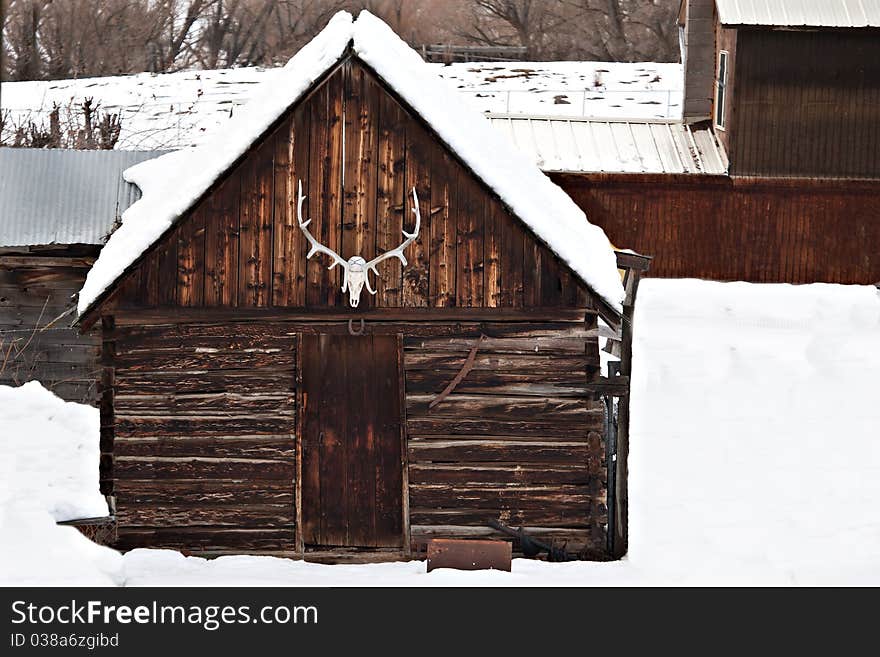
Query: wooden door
[[352, 467]]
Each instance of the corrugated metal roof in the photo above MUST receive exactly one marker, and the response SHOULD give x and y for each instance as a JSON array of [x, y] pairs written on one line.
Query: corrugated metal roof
[[598, 146], [57, 196], [796, 13]]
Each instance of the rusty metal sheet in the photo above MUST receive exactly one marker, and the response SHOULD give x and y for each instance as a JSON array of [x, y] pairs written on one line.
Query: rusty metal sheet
[[469, 554]]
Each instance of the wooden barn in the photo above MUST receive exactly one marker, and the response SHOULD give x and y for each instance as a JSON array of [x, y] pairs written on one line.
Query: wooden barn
[[356, 320], [57, 208], [791, 92]]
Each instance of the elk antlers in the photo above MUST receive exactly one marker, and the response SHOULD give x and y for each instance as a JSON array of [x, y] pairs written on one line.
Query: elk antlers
[[357, 269]]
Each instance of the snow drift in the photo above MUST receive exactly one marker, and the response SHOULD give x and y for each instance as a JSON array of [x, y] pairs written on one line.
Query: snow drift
[[754, 459]]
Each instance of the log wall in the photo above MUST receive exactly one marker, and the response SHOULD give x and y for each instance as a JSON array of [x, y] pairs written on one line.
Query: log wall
[[203, 451], [34, 291], [200, 430], [519, 440]]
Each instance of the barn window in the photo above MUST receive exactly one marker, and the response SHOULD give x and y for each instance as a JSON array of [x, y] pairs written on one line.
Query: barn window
[[720, 89]]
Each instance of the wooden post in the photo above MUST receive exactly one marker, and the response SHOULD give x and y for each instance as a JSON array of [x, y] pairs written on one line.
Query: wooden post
[[635, 265]]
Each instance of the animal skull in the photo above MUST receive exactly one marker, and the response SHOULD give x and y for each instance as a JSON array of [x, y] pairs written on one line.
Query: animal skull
[[356, 269]]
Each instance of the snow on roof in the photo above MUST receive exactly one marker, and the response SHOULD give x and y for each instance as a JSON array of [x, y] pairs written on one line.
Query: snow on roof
[[589, 89], [175, 110], [797, 13], [173, 182], [592, 145]]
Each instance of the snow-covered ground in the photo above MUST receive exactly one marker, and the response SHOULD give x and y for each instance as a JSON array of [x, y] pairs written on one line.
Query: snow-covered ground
[[174, 110], [755, 459]]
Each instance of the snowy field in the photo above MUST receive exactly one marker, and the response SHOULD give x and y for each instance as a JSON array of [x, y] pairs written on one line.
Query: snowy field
[[174, 110], [755, 459]]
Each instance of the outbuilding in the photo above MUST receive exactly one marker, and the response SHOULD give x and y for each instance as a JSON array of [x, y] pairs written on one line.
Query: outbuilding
[[355, 320]]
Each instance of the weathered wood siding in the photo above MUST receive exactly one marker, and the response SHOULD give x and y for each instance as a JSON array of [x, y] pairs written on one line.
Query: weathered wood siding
[[34, 291], [519, 440], [201, 430], [241, 246], [763, 230], [807, 103]]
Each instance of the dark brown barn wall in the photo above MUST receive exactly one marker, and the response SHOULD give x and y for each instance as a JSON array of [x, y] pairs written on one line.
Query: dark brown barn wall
[[203, 423], [241, 246], [807, 104], [34, 291], [519, 440], [763, 231]]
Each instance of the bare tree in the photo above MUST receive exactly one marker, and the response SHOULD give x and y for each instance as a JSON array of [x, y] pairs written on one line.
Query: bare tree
[[610, 30], [83, 126], [47, 39]]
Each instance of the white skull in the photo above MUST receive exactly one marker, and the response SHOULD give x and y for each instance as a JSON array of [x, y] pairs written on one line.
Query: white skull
[[355, 277]]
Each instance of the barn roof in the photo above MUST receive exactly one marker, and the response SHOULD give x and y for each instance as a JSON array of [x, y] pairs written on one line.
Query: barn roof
[[576, 145], [55, 196], [800, 13], [173, 183]]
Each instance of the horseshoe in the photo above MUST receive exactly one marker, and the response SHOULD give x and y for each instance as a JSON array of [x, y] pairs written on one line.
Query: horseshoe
[[351, 329]]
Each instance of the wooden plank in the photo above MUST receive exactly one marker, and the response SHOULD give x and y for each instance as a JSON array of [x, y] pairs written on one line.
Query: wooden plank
[[214, 403], [567, 342], [390, 202], [442, 425], [419, 147], [221, 244], [82, 263], [493, 253], [498, 362], [191, 260], [361, 111], [186, 361], [513, 244], [301, 319], [204, 425], [572, 518], [288, 138], [205, 468], [215, 515], [207, 540], [160, 492], [255, 228], [471, 226], [496, 407], [166, 270], [532, 498], [263, 447], [493, 451], [242, 382], [438, 474], [324, 203], [443, 236]]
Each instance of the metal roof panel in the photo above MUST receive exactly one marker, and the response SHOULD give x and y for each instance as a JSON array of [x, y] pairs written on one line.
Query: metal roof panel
[[53, 196], [581, 145], [800, 13]]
